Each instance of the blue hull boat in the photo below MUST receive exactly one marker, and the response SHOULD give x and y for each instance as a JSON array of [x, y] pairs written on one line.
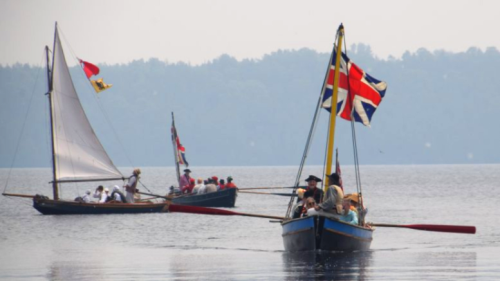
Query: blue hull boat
[[326, 234]]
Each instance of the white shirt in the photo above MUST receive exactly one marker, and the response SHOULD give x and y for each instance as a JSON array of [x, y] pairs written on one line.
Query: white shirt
[[202, 189], [104, 196], [86, 198]]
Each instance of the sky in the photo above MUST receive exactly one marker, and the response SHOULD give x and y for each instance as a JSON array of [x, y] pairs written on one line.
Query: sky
[[196, 31]]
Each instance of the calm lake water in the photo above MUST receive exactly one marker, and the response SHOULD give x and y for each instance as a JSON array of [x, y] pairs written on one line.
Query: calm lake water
[[176, 246]]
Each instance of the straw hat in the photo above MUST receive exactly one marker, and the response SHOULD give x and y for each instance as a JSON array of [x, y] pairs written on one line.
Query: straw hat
[[353, 197], [300, 192]]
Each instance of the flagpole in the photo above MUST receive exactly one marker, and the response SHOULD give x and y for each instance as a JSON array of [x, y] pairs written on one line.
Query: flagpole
[[176, 155], [333, 107]]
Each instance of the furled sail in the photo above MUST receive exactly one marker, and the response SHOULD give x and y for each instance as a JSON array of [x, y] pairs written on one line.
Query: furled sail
[[79, 153]]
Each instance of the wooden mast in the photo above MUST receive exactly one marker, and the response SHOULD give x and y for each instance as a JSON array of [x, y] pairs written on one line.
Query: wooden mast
[[50, 76], [333, 107], [176, 155]]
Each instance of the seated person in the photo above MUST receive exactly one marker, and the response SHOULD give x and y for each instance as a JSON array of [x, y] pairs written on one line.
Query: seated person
[[188, 188], [98, 192], [212, 185], [230, 183], [297, 208], [222, 184], [349, 215], [310, 207], [355, 206], [199, 183], [117, 195], [312, 190], [86, 197], [104, 196]]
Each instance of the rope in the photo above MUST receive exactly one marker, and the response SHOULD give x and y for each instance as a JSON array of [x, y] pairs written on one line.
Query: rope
[[97, 100], [309, 138], [23, 126], [355, 147]]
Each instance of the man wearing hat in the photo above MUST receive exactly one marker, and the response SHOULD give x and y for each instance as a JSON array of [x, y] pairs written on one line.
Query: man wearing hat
[[185, 179], [334, 195], [312, 190], [130, 187]]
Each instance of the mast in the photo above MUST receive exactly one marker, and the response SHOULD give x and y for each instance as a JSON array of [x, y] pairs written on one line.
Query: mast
[[176, 155], [55, 188], [333, 107]]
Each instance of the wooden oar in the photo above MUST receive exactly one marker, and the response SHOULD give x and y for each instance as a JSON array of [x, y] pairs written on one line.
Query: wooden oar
[[270, 193], [213, 211], [433, 227], [18, 195], [156, 195], [277, 187]]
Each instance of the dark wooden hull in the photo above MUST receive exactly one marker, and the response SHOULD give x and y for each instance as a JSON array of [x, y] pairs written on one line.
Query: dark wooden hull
[[326, 234], [61, 207], [225, 198]]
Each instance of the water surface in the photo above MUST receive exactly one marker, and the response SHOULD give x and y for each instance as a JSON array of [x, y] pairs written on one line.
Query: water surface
[[179, 246]]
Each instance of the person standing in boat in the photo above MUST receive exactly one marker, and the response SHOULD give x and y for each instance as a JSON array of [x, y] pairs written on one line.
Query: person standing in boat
[[188, 188], [334, 195], [312, 190], [130, 187], [185, 179]]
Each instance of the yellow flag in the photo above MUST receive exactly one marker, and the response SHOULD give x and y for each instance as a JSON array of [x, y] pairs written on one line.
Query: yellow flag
[[99, 85]]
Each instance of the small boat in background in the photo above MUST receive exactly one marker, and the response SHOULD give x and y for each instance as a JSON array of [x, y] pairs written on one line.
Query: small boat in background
[[77, 153], [225, 198]]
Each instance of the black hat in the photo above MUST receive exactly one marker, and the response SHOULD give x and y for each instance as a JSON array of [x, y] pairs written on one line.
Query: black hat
[[187, 171], [334, 178], [311, 177]]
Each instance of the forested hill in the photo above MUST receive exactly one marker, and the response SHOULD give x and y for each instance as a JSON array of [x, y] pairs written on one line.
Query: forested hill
[[439, 108]]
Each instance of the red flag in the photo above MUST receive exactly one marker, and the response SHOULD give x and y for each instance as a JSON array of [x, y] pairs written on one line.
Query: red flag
[[337, 169], [89, 68]]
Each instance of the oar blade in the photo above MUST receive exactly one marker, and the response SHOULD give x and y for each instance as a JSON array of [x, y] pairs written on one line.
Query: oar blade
[[444, 228], [199, 210], [465, 229]]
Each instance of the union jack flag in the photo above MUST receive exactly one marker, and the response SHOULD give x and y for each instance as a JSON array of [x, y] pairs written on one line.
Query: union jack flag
[[357, 90]]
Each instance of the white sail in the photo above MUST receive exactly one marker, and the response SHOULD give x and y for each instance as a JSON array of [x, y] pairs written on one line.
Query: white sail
[[79, 153]]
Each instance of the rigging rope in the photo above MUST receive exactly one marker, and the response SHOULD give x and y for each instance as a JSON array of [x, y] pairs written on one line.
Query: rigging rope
[[24, 125], [309, 137], [354, 146], [97, 100]]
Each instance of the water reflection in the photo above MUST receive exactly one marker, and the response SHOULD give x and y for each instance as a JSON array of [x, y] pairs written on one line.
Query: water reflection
[[326, 265]]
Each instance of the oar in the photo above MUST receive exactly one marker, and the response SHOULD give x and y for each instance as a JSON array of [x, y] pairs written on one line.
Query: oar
[[433, 227], [270, 193], [18, 195], [277, 187], [156, 195], [213, 211]]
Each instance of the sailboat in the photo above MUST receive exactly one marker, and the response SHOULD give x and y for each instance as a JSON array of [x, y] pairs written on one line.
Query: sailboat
[[321, 231], [77, 153], [225, 198]]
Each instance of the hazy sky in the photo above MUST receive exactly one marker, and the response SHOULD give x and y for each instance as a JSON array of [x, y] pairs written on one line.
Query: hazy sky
[[195, 31]]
